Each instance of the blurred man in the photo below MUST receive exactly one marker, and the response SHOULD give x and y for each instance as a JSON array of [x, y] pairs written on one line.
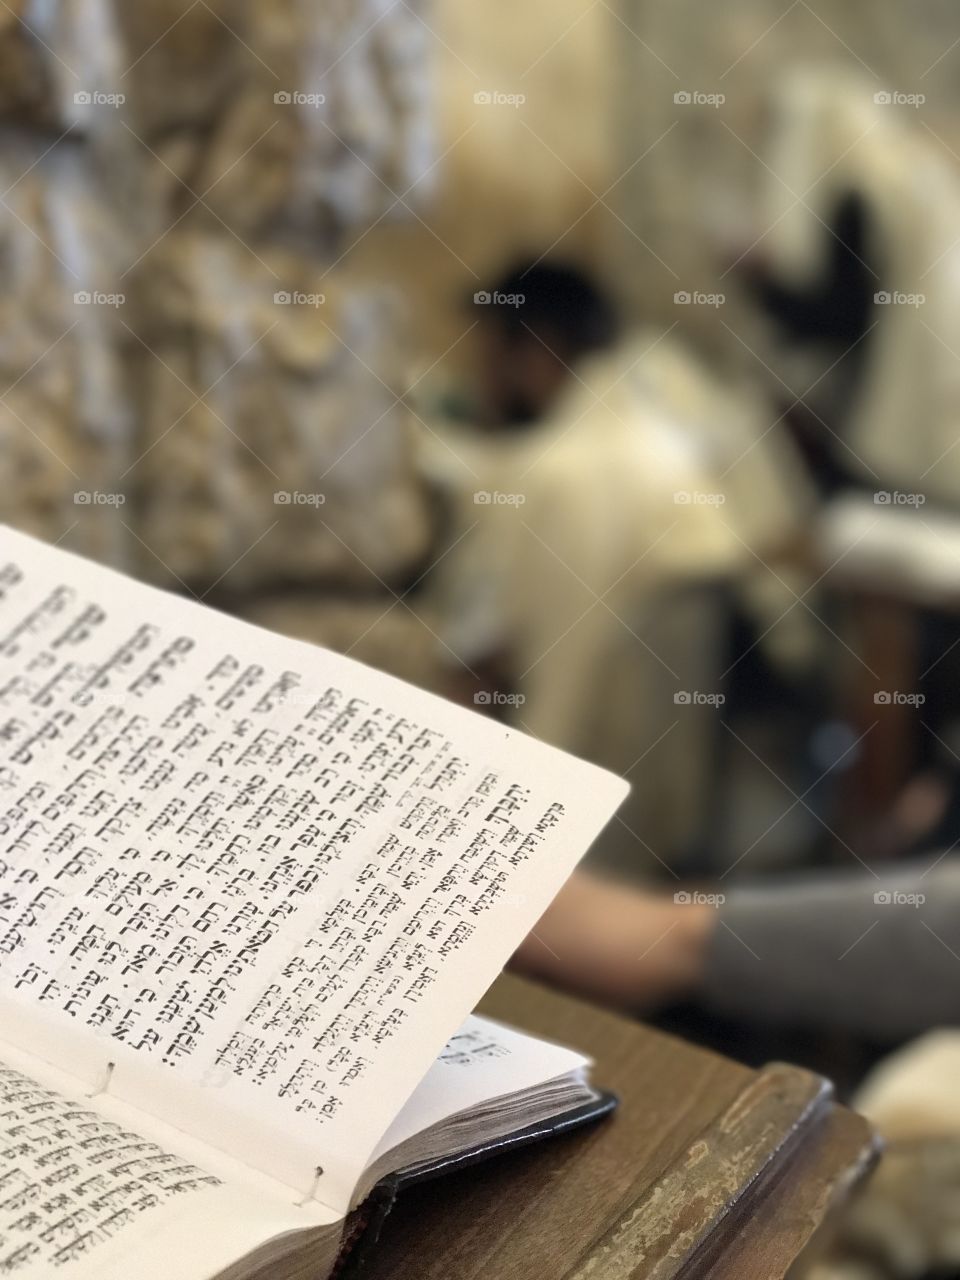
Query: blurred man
[[862, 269], [541, 321], [859, 267], [594, 530]]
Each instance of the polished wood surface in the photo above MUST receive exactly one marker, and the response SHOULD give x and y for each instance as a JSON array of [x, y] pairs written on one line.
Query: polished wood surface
[[707, 1169]]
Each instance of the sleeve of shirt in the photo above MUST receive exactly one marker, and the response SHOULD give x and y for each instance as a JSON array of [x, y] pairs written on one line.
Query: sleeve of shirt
[[877, 956]]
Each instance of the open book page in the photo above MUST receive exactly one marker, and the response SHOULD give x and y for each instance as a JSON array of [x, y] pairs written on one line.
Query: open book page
[[264, 881], [483, 1061], [84, 1192]]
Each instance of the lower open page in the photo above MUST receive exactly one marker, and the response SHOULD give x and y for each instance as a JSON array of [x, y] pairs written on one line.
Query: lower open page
[[484, 1061], [92, 1189]]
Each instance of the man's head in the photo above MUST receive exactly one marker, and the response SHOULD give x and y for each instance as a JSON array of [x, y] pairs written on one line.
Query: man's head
[[538, 322]]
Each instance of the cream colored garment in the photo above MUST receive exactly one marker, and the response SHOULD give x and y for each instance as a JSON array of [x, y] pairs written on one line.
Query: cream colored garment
[[907, 1222], [583, 509], [832, 139], [576, 566], [738, 440], [915, 1093]]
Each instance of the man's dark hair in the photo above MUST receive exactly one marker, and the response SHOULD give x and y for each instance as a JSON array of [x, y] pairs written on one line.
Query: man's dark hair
[[555, 297]]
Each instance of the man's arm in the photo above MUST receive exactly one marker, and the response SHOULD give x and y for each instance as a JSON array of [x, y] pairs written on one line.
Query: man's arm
[[618, 944], [880, 956]]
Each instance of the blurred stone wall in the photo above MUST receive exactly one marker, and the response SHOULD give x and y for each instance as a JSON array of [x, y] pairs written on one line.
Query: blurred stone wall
[[192, 385]]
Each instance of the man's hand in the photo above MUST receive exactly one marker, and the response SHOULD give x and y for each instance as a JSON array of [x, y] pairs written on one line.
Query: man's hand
[[617, 944]]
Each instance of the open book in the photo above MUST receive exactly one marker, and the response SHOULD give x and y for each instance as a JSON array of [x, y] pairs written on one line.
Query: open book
[[250, 892]]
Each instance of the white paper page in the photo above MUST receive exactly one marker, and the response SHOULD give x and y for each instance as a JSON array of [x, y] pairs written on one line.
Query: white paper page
[[484, 1060], [265, 881], [85, 1193]]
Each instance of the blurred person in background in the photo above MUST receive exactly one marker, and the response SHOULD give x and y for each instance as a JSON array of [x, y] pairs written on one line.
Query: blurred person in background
[[612, 498], [861, 278], [859, 266], [543, 321], [582, 586]]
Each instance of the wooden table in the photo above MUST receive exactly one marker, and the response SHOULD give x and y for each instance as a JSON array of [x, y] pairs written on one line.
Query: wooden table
[[707, 1169]]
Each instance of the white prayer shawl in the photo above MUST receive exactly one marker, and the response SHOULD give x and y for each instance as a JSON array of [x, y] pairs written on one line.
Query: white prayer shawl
[[738, 440], [835, 135], [587, 530]]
